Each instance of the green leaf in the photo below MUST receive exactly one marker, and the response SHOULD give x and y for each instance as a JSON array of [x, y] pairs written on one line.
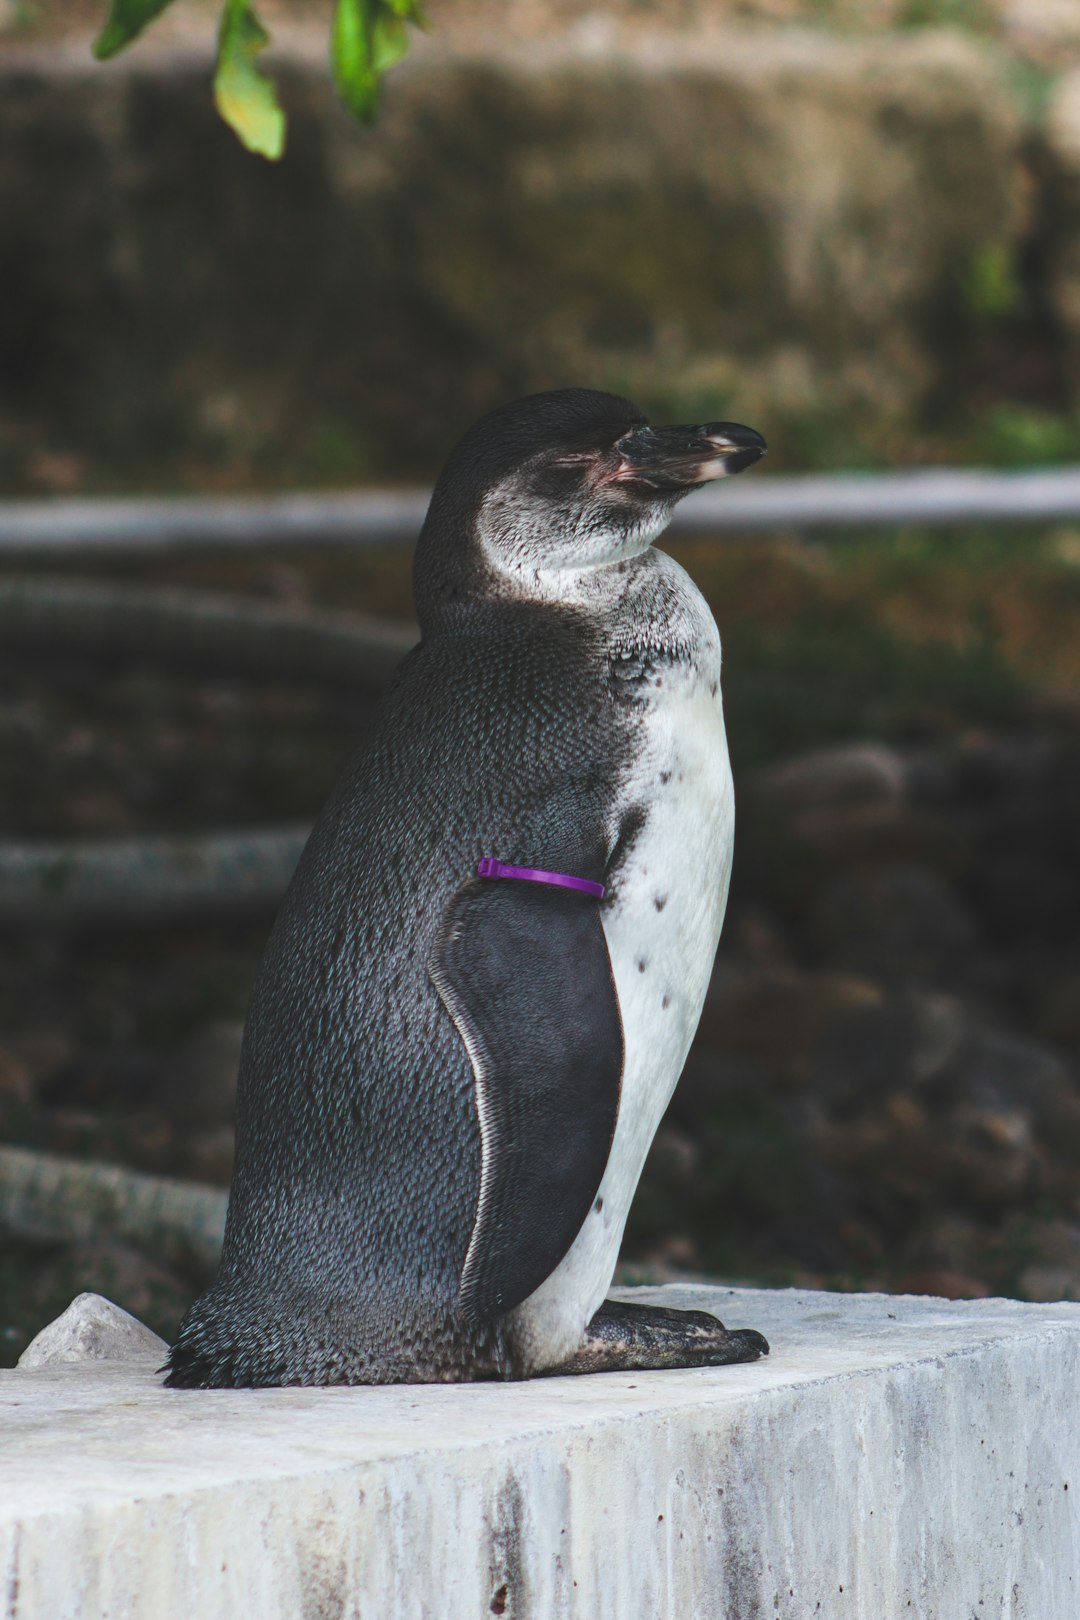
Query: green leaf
[[368, 38], [245, 98], [351, 56], [126, 19]]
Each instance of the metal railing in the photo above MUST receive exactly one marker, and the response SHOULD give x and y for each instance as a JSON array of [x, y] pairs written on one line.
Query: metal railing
[[943, 496], [157, 880]]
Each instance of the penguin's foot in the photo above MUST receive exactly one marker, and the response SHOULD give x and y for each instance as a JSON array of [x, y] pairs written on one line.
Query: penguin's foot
[[639, 1338]]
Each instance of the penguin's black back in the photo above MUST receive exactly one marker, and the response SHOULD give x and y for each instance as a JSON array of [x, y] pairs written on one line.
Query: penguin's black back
[[358, 1149]]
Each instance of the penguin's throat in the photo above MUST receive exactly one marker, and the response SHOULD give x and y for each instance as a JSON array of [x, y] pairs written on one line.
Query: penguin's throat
[[552, 555]]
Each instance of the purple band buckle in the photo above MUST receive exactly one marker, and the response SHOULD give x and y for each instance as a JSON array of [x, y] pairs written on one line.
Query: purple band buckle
[[491, 868]]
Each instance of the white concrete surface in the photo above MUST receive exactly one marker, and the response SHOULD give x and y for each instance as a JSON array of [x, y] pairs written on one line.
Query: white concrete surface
[[894, 1457]]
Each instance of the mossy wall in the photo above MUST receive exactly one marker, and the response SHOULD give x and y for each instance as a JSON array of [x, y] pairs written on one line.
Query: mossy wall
[[791, 229]]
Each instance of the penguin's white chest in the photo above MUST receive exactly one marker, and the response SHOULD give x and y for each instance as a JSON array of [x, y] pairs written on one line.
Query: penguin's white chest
[[662, 927]]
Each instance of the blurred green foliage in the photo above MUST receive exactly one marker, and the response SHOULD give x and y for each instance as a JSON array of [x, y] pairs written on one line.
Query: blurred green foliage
[[990, 286], [977, 16], [1024, 436], [332, 452], [367, 39]]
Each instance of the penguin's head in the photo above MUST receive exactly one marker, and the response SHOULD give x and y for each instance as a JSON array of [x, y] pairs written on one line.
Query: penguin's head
[[563, 482]]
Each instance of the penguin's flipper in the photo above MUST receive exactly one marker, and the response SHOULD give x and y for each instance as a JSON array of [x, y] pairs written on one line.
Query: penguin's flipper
[[523, 970]]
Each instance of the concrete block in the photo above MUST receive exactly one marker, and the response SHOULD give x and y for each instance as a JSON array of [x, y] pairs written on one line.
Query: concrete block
[[892, 1457]]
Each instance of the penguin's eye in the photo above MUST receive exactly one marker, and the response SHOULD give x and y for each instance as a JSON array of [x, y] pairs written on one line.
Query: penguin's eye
[[562, 476], [594, 467]]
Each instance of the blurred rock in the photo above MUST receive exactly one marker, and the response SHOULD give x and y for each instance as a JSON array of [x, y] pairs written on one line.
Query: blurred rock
[[93, 1329], [1054, 1270], [1059, 1010], [839, 806], [1042, 27], [81, 1132], [202, 1079], [989, 1156], [885, 833], [121, 1076], [209, 1155], [54, 471], [914, 1106], [998, 1073], [943, 1284], [858, 774], [1059, 1129], [889, 1047], [906, 1113], [1060, 704], [16, 1081], [711, 1078], [675, 1155], [954, 1242], [977, 1118], [755, 937], [106, 813], [899, 924], [863, 1243], [45, 1052], [1046, 1283], [669, 1181], [285, 582], [772, 1016], [144, 1138], [674, 1257], [843, 1041]]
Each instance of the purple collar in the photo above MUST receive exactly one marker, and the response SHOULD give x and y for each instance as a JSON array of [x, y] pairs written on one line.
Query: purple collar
[[491, 868]]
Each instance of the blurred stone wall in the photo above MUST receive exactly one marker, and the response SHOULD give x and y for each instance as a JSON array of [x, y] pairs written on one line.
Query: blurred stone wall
[[1062, 148], [795, 229]]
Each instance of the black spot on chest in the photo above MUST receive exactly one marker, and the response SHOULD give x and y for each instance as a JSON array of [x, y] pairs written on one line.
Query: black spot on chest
[[630, 827]]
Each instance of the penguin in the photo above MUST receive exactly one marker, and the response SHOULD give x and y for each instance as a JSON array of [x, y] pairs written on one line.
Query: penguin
[[485, 976]]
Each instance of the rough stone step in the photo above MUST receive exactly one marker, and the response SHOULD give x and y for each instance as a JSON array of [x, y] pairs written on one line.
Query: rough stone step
[[894, 1456]]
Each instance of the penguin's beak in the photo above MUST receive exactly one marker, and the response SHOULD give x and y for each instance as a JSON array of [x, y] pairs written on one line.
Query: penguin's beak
[[681, 458]]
